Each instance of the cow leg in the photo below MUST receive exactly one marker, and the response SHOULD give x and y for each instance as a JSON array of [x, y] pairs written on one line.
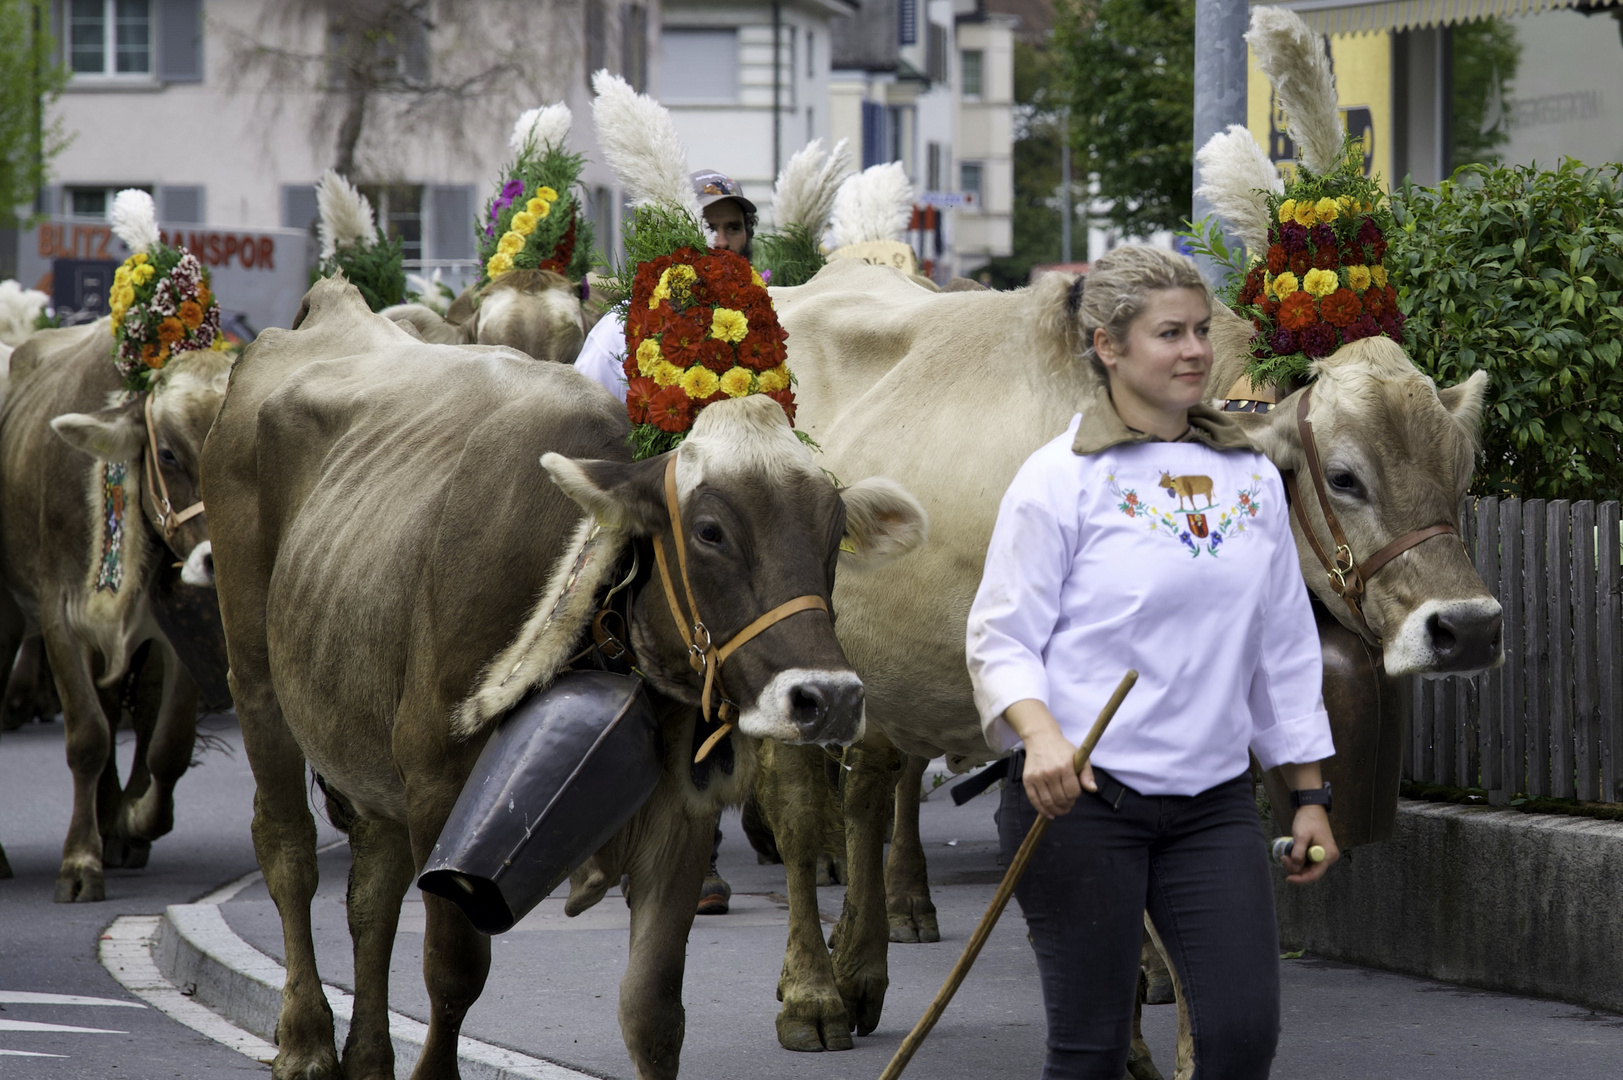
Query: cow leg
[[907, 879], [1185, 1064], [380, 872], [284, 833], [11, 633], [796, 797], [163, 752], [1140, 1065], [667, 865], [1157, 975], [28, 689], [89, 745], [864, 931]]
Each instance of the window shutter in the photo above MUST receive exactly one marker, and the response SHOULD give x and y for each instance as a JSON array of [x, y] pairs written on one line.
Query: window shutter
[[180, 40], [451, 236], [873, 134], [907, 22], [299, 210], [180, 204]]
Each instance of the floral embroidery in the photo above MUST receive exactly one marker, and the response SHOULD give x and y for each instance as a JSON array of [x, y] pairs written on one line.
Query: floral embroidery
[[1195, 531], [110, 570]]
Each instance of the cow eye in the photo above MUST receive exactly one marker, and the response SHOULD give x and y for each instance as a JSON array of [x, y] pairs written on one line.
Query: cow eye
[[709, 532], [1342, 480], [167, 456]]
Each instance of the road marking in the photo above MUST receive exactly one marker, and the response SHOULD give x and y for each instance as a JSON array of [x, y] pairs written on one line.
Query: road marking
[[28, 1053], [23, 997], [35, 1025]]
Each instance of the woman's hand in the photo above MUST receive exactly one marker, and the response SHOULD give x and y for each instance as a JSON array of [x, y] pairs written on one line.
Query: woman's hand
[[1311, 826], [1050, 775]]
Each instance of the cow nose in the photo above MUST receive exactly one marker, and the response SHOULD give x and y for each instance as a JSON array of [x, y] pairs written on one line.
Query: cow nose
[[826, 711], [1465, 639]]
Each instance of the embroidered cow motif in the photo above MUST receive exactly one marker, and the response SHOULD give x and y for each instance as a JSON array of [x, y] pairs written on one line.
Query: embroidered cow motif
[[1187, 487], [1195, 531]]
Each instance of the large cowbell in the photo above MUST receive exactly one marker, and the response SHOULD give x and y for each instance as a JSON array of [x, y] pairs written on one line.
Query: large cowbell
[[557, 779]]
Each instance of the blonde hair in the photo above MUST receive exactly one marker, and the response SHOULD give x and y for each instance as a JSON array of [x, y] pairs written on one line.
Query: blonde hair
[[1117, 288]]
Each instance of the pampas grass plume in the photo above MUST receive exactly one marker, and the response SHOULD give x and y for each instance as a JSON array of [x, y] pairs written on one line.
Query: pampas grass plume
[[543, 127], [641, 145], [1292, 57], [135, 219], [1232, 169], [346, 216], [19, 307], [875, 204], [804, 193]]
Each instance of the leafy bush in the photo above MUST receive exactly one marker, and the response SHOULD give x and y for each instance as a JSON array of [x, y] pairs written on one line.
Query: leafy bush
[[1519, 272]]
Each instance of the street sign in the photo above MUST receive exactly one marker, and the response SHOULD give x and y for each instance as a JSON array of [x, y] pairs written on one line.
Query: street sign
[[947, 200]]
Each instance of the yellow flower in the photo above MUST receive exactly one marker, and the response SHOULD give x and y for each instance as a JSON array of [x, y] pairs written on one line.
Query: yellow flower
[[499, 264], [546, 193], [1358, 278], [649, 357], [143, 273], [660, 293], [523, 223], [139, 257], [511, 243], [538, 207], [1346, 205], [737, 382], [220, 344], [773, 379], [667, 374], [1284, 284], [125, 296], [121, 276], [756, 278], [1327, 209], [1321, 282], [1304, 215], [1287, 211], [699, 381], [729, 325], [1378, 273]]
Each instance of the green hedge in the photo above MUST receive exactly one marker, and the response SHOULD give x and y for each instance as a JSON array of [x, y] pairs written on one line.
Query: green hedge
[[1519, 272]]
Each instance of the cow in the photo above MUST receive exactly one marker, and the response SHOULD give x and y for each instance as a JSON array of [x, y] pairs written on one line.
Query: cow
[[396, 571], [1187, 487], [537, 312], [950, 393], [82, 551]]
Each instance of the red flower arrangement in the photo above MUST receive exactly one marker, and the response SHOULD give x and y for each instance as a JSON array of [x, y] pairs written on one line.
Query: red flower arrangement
[[1340, 308], [701, 329]]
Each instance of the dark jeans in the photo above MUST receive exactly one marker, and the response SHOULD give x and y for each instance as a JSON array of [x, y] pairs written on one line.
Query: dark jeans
[[1198, 864]]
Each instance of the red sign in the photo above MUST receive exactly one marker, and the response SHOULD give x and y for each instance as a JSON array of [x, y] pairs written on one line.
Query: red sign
[[251, 251]]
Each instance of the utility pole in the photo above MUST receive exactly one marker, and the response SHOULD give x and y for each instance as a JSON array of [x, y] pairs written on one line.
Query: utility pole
[[1220, 83], [777, 87], [1066, 211]]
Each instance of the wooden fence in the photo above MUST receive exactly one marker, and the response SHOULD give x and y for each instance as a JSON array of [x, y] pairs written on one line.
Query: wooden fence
[[1550, 721]]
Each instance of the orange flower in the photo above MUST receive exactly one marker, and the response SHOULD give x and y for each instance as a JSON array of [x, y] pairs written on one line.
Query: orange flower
[[170, 330], [639, 391], [149, 355], [191, 315], [1297, 311], [1278, 259], [1299, 263], [204, 297], [1326, 258], [1341, 308], [786, 398], [671, 409]]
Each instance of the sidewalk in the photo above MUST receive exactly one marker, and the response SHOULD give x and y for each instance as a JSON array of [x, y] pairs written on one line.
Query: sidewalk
[[553, 988]]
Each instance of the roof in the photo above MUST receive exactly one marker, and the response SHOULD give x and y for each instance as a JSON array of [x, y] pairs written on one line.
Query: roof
[[1363, 16]]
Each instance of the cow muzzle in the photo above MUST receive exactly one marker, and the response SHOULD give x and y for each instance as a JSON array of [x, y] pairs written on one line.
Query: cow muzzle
[[805, 706], [1446, 637], [199, 566]]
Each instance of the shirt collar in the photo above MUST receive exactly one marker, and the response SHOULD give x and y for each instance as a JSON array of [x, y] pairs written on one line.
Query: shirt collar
[[1101, 428]]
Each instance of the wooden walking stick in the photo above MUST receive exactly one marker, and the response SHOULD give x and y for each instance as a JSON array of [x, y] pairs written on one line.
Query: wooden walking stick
[[1017, 867]]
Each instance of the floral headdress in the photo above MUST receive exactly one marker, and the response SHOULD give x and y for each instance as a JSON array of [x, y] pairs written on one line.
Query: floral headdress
[[533, 221], [700, 326], [160, 301], [352, 244]]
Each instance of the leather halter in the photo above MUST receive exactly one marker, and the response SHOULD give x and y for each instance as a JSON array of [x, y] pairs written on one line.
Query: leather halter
[[705, 656], [1347, 575], [169, 520]]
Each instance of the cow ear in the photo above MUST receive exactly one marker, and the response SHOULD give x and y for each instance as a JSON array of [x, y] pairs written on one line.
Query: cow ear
[[1465, 400], [1277, 436], [113, 434], [621, 495], [882, 521]]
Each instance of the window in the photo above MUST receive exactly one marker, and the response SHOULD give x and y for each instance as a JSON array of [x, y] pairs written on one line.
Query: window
[[935, 53], [399, 209], [93, 203], [596, 40], [970, 67], [698, 65], [907, 22], [932, 166], [903, 129], [110, 37], [634, 46], [874, 138], [969, 179], [811, 55]]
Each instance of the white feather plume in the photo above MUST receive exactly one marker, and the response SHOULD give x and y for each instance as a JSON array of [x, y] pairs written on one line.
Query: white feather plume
[[1233, 167], [546, 126], [19, 307], [1292, 56], [804, 193], [135, 220], [346, 215], [640, 144], [874, 204]]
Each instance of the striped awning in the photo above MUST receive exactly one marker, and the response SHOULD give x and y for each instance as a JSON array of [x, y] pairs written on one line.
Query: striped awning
[[1363, 16]]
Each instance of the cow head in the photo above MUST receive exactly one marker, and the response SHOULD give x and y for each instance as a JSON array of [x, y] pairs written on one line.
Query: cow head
[[762, 525], [1397, 454], [536, 312], [186, 397]]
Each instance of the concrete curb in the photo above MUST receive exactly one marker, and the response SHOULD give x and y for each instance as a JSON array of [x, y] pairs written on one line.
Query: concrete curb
[[195, 950], [1496, 899]]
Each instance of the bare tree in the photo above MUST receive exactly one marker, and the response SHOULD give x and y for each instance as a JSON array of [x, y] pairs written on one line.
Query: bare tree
[[382, 70]]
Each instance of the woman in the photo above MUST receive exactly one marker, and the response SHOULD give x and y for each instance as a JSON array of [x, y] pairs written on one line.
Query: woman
[[1151, 536]]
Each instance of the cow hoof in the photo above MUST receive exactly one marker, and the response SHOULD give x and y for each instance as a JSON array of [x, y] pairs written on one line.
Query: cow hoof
[[321, 1067], [79, 885], [811, 1037], [914, 922], [124, 853], [1139, 1064], [864, 997]]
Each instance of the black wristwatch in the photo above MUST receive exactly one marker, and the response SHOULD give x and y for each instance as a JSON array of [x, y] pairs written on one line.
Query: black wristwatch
[[1312, 797]]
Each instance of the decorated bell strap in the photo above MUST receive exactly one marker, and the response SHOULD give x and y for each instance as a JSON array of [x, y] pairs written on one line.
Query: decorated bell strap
[[705, 656]]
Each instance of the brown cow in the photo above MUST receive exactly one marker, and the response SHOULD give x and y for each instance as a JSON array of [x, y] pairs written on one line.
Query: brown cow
[[395, 573], [536, 312], [86, 587]]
